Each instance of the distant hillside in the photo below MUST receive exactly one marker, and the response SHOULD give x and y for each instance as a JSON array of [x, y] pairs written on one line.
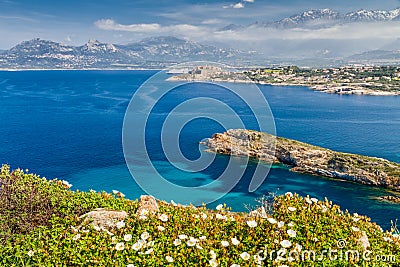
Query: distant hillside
[[151, 52], [376, 57]]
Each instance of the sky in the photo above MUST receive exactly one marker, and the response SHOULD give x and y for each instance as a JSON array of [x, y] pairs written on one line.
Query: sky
[[75, 22]]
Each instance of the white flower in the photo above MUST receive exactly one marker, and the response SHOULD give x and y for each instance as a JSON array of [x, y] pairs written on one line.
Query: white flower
[[355, 214], [245, 256], [235, 265], [148, 251], [314, 200], [160, 228], [198, 246], [281, 224], [163, 217], [76, 237], [173, 203], [113, 240], [120, 246], [203, 216], [213, 263], [220, 217], [137, 246], [324, 209], [191, 242], [252, 223], [96, 227], [289, 194], [291, 208], [144, 212], [291, 224], [235, 241], [283, 265], [143, 217], [219, 207], [169, 259], [92, 191], [202, 238], [213, 255], [271, 220], [196, 216], [177, 242], [291, 233], [66, 184], [224, 243], [128, 237], [115, 192], [308, 200], [356, 219], [232, 219], [355, 229], [31, 253], [120, 224], [145, 235], [130, 265], [286, 244], [182, 237]]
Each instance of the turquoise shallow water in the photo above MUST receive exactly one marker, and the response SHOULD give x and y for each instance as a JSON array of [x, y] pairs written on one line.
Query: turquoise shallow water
[[69, 124]]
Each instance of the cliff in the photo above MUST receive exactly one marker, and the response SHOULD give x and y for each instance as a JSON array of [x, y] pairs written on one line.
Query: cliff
[[305, 158]]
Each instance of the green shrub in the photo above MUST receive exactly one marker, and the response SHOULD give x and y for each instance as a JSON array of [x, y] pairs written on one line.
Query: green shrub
[[181, 236]]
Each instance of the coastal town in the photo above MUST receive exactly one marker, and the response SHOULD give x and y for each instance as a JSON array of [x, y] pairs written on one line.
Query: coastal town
[[346, 80]]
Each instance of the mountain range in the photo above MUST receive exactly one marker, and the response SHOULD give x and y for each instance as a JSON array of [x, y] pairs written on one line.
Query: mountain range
[[319, 18], [151, 52], [158, 52]]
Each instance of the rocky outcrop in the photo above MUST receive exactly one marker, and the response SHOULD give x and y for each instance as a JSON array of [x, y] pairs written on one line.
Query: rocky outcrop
[[104, 218], [305, 158], [392, 199], [147, 205]]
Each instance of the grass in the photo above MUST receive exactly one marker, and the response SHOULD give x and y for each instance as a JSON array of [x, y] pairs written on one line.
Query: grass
[[40, 226]]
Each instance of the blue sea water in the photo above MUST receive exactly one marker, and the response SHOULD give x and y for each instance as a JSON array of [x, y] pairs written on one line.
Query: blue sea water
[[68, 124]]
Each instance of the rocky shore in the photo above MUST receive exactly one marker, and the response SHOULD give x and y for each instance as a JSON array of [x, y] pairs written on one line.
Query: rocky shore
[[305, 158]]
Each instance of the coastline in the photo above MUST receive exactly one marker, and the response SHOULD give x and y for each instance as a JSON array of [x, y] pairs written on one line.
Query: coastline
[[306, 158], [330, 89]]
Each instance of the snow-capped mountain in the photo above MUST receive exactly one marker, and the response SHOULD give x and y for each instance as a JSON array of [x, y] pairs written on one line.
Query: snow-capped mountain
[[370, 16], [151, 52], [310, 18], [319, 18]]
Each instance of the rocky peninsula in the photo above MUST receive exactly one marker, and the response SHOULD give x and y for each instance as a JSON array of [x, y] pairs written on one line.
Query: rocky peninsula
[[306, 158]]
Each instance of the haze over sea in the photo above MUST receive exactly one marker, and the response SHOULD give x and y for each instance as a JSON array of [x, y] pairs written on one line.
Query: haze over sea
[[68, 124]]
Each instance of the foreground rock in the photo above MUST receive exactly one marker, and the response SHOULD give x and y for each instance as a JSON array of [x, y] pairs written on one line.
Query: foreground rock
[[104, 218], [305, 158]]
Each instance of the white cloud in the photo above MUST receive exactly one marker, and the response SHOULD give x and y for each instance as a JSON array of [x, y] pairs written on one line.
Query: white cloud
[[248, 1], [238, 5], [212, 21], [154, 28], [111, 25]]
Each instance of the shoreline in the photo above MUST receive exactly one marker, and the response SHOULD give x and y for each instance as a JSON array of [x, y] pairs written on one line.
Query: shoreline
[[306, 158], [330, 89]]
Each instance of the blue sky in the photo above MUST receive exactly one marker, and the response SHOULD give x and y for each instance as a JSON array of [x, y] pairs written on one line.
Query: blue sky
[[74, 22]]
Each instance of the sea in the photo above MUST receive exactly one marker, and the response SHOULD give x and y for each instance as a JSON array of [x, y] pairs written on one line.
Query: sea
[[69, 124]]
